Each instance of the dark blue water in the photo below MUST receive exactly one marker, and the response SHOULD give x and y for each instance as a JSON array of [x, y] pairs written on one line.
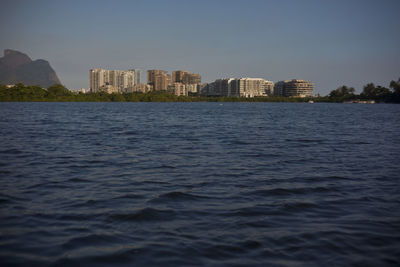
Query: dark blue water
[[188, 184]]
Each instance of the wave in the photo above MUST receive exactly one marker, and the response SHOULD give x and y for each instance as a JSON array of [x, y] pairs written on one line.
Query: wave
[[298, 206], [13, 151], [78, 180], [292, 191], [89, 240], [177, 196], [129, 196], [146, 214]]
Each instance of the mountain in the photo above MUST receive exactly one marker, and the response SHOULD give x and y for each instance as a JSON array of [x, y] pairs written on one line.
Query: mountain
[[17, 67]]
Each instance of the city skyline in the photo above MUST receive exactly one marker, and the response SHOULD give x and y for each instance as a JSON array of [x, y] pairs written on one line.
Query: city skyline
[[331, 43], [185, 83]]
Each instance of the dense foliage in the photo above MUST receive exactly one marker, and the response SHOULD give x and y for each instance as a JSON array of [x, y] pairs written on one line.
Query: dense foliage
[[58, 92], [370, 92]]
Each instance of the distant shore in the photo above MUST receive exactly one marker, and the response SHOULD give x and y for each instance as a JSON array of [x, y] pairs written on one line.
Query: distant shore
[[58, 93]]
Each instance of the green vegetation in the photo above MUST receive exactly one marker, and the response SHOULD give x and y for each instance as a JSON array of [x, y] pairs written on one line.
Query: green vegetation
[[58, 93], [341, 94], [370, 92]]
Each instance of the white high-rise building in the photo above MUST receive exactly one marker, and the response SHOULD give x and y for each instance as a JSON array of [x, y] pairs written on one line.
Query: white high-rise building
[[121, 80], [269, 87], [138, 74], [251, 87], [242, 87], [97, 79]]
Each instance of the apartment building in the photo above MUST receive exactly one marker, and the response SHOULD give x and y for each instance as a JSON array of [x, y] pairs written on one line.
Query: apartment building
[[113, 80], [294, 88]]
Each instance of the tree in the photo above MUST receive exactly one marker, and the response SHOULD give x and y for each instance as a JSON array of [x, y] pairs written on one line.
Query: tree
[[368, 90], [396, 90], [395, 86], [117, 97], [376, 92], [58, 90], [342, 91]]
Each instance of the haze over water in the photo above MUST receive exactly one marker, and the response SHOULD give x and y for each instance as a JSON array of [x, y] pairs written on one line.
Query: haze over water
[[199, 184]]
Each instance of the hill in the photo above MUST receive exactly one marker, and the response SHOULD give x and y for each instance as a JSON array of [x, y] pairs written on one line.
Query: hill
[[17, 67]]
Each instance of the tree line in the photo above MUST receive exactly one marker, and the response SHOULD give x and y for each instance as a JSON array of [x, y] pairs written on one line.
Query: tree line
[[370, 92], [59, 93]]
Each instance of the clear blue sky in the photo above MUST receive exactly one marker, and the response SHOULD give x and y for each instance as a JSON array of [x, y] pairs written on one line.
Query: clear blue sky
[[331, 42]]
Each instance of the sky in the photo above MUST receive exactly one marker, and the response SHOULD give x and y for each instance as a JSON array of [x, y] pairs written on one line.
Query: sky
[[330, 42]]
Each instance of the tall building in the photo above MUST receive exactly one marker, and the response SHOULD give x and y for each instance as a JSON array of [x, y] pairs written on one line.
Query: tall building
[[249, 87], [97, 79], [183, 76], [269, 87], [122, 80], [151, 75], [138, 74], [203, 89], [294, 88], [241, 87], [161, 81], [220, 87], [279, 87], [191, 78], [177, 76]]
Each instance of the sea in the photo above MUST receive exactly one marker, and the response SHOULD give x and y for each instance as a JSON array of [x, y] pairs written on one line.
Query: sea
[[199, 184]]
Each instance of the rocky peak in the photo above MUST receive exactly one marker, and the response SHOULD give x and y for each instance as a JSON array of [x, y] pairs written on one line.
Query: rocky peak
[[13, 58], [17, 67]]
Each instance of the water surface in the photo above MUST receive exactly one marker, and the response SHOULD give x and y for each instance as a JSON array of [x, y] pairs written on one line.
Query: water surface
[[199, 184]]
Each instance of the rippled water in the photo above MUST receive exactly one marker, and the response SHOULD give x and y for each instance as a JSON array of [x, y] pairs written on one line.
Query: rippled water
[[186, 184]]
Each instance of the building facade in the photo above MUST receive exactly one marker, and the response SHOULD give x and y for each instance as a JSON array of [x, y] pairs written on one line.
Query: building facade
[[159, 79], [142, 88], [104, 80], [220, 87], [269, 87], [191, 78], [192, 88], [278, 88], [138, 75], [250, 87], [178, 89], [294, 88], [239, 87], [151, 75], [97, 79], [183, 76], [177, 76], [109, 89], [181, 89]]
